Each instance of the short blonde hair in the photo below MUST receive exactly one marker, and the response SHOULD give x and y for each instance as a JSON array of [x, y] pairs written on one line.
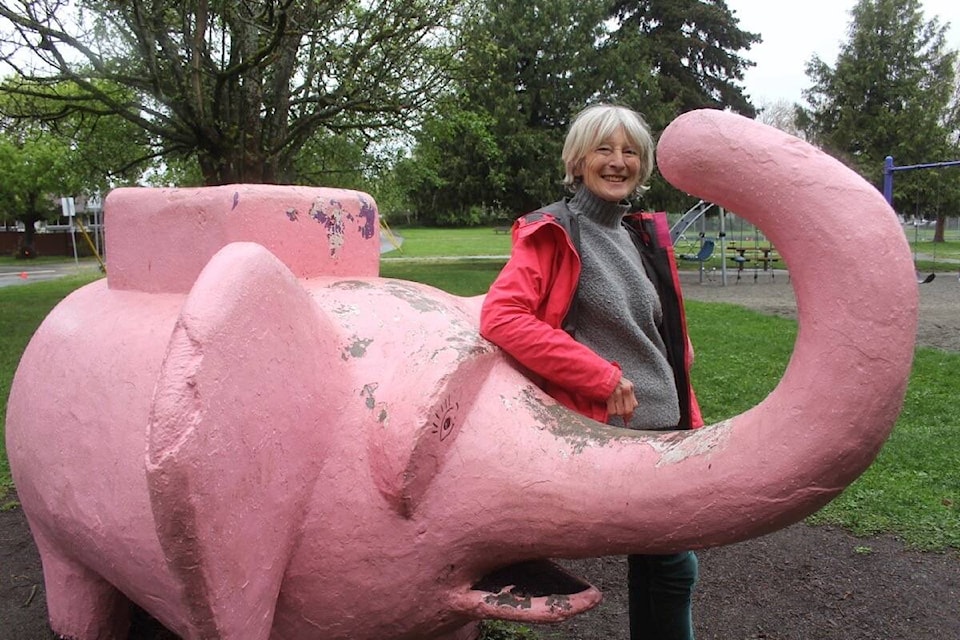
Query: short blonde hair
[[595, 124]]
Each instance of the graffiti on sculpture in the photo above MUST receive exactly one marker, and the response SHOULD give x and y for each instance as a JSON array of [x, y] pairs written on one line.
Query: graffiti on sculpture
[[445, 419]]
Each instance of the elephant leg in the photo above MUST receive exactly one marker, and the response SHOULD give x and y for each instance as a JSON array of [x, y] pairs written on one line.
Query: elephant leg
[[81, 604]]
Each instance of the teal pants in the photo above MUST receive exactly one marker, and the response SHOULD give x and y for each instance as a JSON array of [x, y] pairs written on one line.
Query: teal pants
[[660, 591]]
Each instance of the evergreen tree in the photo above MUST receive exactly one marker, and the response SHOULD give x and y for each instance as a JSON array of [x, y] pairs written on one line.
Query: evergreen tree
[[693, 49], [528, 67], [493, 146], [890, 94]]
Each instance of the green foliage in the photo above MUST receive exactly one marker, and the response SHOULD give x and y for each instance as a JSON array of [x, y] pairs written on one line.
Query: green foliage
[[35, 167], [100, 150], [500, 630], [239, 86], [78, 153], [666, 58], [176, 171], [494, 143], [528, 68], [442, 186], [890, 94], [331, 160], [694, 46]]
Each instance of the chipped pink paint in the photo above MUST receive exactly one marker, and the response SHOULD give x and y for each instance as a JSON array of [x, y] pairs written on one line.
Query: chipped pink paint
[[162, 242], [249, 434]]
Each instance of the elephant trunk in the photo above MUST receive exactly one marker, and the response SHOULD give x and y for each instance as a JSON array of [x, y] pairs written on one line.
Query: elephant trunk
[[591, 490]]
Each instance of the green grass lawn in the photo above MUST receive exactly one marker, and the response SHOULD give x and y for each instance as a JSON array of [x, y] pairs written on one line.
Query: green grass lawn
[[419, 242], [942, 256], [912, 490]]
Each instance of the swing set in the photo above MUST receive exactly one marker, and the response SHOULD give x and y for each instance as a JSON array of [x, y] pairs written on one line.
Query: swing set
[[888, 170]]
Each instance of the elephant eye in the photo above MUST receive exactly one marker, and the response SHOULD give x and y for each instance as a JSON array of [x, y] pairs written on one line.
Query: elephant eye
[[445, 419]]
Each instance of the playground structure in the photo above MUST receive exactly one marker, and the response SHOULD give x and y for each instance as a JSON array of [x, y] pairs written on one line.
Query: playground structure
[[273, 442], [761, 254], [889, 168], [741, 250]]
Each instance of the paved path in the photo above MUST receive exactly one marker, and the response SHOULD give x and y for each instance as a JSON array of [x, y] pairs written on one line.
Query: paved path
[[17, 275]]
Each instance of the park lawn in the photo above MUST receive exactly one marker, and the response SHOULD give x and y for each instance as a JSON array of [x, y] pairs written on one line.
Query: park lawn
[[420, 242], [912, 490], [936, 257]]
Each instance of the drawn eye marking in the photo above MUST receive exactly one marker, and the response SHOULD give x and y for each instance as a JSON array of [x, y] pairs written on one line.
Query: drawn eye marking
[[445, 419]]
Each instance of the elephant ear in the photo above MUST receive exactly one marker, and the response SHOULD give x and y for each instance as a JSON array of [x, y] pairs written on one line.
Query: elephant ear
[[236, 436]]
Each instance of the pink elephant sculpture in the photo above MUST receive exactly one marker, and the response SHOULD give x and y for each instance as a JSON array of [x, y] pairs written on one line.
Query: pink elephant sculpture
[[246, 432]]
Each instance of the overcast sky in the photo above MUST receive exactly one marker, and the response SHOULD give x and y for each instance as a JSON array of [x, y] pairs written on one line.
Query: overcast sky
[[794, 31]]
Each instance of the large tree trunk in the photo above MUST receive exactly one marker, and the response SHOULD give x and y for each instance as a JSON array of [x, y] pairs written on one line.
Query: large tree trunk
[[26, 248], [940, 227], [248, 166]]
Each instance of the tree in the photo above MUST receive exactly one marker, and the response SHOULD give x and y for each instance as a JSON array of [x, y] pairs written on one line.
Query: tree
[[673, 56], [79, 152], [692, 47], [242, 85], [35, 168], [456, 172], [528, 67], [493, 144], [780, 114], [109, 149], [890, 93]]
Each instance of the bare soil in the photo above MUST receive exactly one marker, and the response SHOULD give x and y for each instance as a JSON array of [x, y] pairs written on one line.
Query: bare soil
[[800, 583]]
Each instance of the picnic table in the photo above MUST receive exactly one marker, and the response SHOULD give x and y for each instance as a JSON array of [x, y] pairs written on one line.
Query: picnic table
[[758, 254]]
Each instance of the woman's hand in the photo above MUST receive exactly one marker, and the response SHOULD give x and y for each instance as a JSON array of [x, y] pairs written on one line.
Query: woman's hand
[[622, 402]]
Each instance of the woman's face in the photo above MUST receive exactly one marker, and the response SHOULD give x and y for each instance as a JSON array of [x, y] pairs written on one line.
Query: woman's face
[[611, 170]]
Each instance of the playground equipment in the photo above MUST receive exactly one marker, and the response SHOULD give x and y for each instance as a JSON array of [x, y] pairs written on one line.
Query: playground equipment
[[388, 240], [921, 279], [701, 256], [762, 256], [270, 441], [888, 170], [706, 250], [688, 219], [93, 249]]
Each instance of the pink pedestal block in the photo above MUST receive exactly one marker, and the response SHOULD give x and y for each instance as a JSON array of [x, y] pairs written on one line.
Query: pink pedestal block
[[248, 433]]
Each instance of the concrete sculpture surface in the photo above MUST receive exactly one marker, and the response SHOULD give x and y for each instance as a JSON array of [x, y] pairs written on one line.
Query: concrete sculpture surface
[[249, 434]]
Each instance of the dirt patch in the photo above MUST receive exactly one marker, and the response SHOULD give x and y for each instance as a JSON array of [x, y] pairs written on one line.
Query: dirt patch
[[801, 583]]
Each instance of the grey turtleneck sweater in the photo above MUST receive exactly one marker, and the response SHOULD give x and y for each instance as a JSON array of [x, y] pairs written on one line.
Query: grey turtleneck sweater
[[619, 311]]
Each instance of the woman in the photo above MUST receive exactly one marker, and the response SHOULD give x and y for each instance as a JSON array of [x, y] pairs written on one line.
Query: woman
[[589, 302]]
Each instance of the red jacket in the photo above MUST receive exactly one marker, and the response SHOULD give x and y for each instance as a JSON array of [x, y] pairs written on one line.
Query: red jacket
[[533, 294]]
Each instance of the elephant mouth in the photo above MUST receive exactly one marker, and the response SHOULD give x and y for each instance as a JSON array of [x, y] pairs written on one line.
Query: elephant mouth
[[530, 591]]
